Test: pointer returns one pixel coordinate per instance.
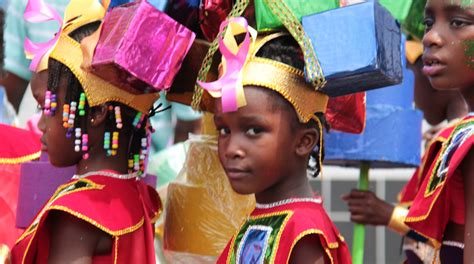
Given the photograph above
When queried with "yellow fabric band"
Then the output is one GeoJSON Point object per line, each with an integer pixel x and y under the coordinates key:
{"type": "Point", "coordinates": [397, 221]}
{"type": "Point", "coordinates": [287, 81]}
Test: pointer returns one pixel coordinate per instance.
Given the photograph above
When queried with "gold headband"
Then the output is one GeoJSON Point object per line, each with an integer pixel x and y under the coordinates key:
{"type": "Point", "coordinates": [284, 79]}
{"type": "Point", "coordinates": [97, 90]}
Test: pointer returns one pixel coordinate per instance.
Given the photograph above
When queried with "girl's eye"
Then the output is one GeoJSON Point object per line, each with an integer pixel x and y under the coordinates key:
{"type": "Point", "coordinates": [253, 131]}
{"type": "Point", "coordinates": [428, 22]}
{"type": "Point", "coordinates": [223, 131]}
{"type": "Point", "coordinates": [459, 23]}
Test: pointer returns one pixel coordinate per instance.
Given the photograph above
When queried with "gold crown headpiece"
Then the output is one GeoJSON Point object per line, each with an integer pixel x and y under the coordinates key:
{"type": "Point", "coordinates": [241, 67]}
{"type": "Point", "coordinates": [70, 53]}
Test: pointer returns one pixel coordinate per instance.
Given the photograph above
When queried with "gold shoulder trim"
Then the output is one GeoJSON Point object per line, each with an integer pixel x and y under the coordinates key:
{"type": "Point", "coordinates": [22, 159]}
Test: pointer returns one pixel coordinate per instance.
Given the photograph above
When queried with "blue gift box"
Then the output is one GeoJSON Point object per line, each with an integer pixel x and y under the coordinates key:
{"type": "Point", "coordinates": [357, 47]}
{"type": "Point", "coordinates": [392, 136]}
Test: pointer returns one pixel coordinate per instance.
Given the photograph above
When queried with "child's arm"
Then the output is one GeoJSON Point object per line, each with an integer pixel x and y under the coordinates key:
{"type": "Point", "coordinates": [308, 251]}
{"type": "Point", "coordinates": [73, 240]}
{"type": "Point", "coordinates": [468, 174]}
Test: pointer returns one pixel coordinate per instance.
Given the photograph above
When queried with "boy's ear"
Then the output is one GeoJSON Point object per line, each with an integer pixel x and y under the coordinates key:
{"type": "Point", "coordinates": [98, 115]}
{"type": "Point", "coordinates": [307, 141]}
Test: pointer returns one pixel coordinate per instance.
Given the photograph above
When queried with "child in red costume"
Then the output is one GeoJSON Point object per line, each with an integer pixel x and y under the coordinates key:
{"type": "Point", "coordinates": [443, 209]}
{"type": "Point", "coordinates": [104, 214]}
{"type": "Point", "coordinates": [264, 148]}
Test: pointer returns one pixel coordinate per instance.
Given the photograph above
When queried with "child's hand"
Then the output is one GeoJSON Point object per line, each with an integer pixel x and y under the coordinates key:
{"type": "Point", "coordinates": [368, 209]}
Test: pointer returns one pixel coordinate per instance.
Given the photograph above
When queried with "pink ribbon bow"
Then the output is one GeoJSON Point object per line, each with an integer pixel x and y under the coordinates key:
{"type": "Point", "coordinates": [229, 86]}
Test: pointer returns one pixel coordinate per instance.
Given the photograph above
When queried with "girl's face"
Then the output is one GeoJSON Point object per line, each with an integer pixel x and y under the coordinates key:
{"type": "Point", "coordinates": [448, 42]}
{"type": "Point", "coordinates": [256, 144]}
{"type": "Point", "coordinates": [59, 148]}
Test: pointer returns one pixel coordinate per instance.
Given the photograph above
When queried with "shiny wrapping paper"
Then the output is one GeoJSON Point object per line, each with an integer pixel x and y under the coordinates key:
{"type": "Point", "coordinates": [347, 113]}
{"type": "Point", "coordinates": [266, 20]}
{"type": "Point", "coordinates": [211, 15]}
{"type": "Point", "coordinates": [202, 210]}
{"type": "Point", "coordinates": [392, 136]}
{"type": "Point", "coordinates": [357, 47]}
{"type": "Point", "coordinates": [140, 47]}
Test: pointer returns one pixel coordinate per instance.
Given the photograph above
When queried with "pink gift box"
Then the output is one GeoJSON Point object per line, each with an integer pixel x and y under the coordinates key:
{"type": "Point", "coordinates": [139, 47]}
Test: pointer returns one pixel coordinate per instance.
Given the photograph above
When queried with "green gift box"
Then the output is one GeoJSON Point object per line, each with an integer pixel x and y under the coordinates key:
{"type": "Point", "coordinates": [413, 24]}
{"type": "Point", "coordinates": [266, 20]}
{"type": "Point", "coordinates": [398, 8]}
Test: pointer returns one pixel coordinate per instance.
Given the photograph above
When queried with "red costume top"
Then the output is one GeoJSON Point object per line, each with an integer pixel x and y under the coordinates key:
{"type": "Point", "coordinates": [441, 196]}
{"type": "Point", "coordinates": [16, 147]}
{"type": "Point", "coordinates": [123, 208]}
{"type": "Point", "coordinates": [271, 232]}
{"type": "Point", "coordinates": [409, 191]}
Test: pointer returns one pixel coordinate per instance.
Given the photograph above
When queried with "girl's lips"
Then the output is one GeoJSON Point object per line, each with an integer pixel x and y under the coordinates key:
{"type": "Point", "coordinates": [236, 174]}
{"type": "Point", "coordinates": [432, 70]}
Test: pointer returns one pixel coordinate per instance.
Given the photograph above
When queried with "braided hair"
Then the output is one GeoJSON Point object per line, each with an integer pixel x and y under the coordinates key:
{"type": "Point", "coordinates": [76, 112]}
{"type": "Point", "coordinates": [286, 50]}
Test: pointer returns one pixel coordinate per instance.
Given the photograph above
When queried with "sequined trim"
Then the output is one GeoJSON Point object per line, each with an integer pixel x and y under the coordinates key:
{"type": "Point", "coordinates": [119, 232]}
{"type": "Point", "coordinates": [314, 232]}
{"type": "Point", "coordinates": [451, 243]}
{"type": "Point", "coordinates": [21, 159]}
{"type": "Point", "coordinates": [288, 201]}
{"type": "Point", "coordinates": [107, 174]}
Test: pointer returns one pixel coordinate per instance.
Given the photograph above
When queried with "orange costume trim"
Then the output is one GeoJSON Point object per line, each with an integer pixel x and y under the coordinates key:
{"type": "Point", "coordinates": [122, 208]}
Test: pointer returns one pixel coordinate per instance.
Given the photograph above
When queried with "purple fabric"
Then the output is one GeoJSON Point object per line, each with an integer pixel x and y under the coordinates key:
{"type": "Point", "coordinates": [38, 181]}
{"type": "Point", "coordinates": [412, 258]}
{"type": "Point", "coordinates": [451, 255]}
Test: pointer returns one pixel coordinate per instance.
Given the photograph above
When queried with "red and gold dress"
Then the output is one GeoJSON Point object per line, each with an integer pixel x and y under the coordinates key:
{"type": "Point", "coordinates": [441, 196]}
{"type": "Point", "coordinates": [119, 205]}
{"type": "Point", "coordinates": [272, 230]}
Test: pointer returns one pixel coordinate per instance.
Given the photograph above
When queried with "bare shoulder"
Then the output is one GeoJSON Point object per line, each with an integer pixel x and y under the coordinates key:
{"type": "Point", "coordinates": [74, 240]}
{"type": "Point", "coordinates": [308, 250]}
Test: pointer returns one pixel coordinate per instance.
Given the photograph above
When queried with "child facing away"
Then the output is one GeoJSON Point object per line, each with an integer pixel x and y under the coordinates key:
{"type": "Point", "coordinates": [104, 214]}
{"type": "Point", "coordinates": [265, 147]}
{"type": "Point", "coordinates": [443, 209]}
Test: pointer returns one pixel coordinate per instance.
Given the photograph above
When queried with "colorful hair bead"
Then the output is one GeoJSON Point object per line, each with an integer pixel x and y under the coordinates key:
{"type": "Point", "coordinates": [47, 103]}
{"type": "Point", "coordinates": [115, 142]}
{"type": "Point", "coordinates": [136, 162]}
{"type": "Point", "coordinates": [77, 141]}
{"type": "Point", "coordinates": [130, 165]}
{"type": "Point", "coordinates": [85, 148]}
{"type": "Point", "coordinates": [72, 114]}
{"type": "Point", "coordinates": [54, 104]}
{"type": "Point", "coordinates": [65, 115]}
{"type": "Point", "coordinates": [82, 104]}
{"type": "Point", "coordinates": [118, 117]}
{"type": "Point", "coordinates": [136, 120]}
{"type": "Point", "coordinates": [107, 143]}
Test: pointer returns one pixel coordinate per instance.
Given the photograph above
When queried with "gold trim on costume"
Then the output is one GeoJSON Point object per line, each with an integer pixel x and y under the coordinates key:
{"type": "Point", "coordinates": [314, 232]}
{"type": "Point", "coordinates": [4, 254]}
{"type": "Point", "coordinates": [97, 90]}
{"type": "Point", "coordinates": [22, 159]}
{"type": "Point", "coordinates": [397, 220]}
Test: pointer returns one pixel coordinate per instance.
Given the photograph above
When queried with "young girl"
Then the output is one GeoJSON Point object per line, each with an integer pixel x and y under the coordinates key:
{"type": "Point", "coordinates": [265, 147]}
{"type": "Point", "coordinates": [444, 207]}
{"type": "Point", "coordinates": [103, 215]}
